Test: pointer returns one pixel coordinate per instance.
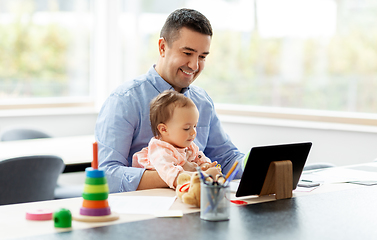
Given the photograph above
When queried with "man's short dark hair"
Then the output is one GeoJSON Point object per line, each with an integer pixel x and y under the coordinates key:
{"type": "Point", "coordinates": [184, 17]}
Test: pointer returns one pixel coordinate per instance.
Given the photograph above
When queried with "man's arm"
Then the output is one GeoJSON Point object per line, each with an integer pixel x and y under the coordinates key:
{"type": "Point", "coordinates": [151, 179]}
{"type": "Point", "coordinates": [114, 135]}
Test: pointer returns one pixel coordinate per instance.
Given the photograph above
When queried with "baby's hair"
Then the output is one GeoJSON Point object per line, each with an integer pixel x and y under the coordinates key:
{"type": "Point", "coordinates": [162, 107]}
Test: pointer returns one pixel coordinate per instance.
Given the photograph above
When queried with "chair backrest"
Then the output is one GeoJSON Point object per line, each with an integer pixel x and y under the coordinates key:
{"type": "Point", "coordinates": [21, 134]}
{"type": "Point", "coordinates": [29, 178]}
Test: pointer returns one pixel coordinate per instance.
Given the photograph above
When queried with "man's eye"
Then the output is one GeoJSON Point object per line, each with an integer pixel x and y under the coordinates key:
{"type": "Point", "coordinates": [187, 53]}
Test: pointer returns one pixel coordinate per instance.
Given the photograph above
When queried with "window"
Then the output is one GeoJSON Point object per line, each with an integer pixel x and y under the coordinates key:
{"type": "Point", "coordinates": [303, 55]}
{"type": "Point", "coordinates": [45, 48]}
{"type": "Point", "coordinates": [311, 54]}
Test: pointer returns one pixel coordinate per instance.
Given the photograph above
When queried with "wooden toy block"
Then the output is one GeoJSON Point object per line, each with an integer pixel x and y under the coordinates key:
{"type": "Point", "coordinates": [96, 188]}
{"type": "Point", "coordinates": [95, 181]}
{"type": "Point", "coordinates": [95, 207]}
{"type": "Point", "coordinates": [95, 204]}
{"type": "Point", "coordinates": [95, 211]}
{"type": "Point", "coordinates": [95, 196]}
{"type": "Point", "coordinates": [94, 173]}
{"type": "Point", "coordinates": [95, 156]}
{"type": "Point", "coordinates": [39, 215]}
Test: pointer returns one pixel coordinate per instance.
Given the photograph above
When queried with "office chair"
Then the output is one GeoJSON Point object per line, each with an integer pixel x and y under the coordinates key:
{"type": "Point", "coordinates": [21, 134]}
{"type": "Point", "coordinates": [62, 192]}
{"type": "Point", "coordinates": [29, 178]}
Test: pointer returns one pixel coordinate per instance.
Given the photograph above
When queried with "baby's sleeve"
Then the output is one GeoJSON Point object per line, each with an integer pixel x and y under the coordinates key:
{"type": "Point", "coordinates": [201, 158]}
{"type": "Point", "coordinates": [167, 163]}
{"type": "Point", "coordinates": [140, 159]}
{"type": "Point", "coordinates": [197, 156]}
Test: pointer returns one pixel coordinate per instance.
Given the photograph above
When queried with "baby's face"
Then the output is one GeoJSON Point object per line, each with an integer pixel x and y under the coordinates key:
{"type": "Point", "coordinates": [181, 128]}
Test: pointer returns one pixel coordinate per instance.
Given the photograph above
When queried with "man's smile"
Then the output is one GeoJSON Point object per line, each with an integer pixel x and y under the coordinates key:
{"type": "Point", "coordinates": [188, 73]}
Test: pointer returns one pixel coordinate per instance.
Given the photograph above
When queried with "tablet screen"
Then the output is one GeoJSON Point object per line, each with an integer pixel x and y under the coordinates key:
{"type": "Point", "coordinates": [259, 160]}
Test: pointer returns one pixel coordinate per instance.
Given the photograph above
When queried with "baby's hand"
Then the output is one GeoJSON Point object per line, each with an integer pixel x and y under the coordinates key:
{"type": "Point", "coordinates": [190, 166]}
{"type": "Point", "coordinates": [206, 166]}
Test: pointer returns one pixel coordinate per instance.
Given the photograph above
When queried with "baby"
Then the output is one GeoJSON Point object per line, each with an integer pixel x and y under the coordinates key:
{"type": "Point", "coordinates": [172, 150]}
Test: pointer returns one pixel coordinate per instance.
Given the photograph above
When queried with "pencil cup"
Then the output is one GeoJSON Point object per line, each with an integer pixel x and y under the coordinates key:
{"type": "Point", "coordinates": [214, 202]}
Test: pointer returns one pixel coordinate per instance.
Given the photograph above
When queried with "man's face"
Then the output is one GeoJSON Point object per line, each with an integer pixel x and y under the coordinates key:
{"type": "Point", "coordinates": [182, 62]}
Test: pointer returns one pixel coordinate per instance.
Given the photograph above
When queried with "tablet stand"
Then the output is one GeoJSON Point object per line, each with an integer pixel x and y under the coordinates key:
{"type": "Point", "coordinates": [279, 180]}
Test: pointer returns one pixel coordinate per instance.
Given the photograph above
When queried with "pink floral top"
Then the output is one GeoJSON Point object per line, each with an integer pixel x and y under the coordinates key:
{"type": "Point", "coordinates": [166, 159]}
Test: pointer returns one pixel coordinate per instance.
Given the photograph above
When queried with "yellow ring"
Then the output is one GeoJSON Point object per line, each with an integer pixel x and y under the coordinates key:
{"type": "Point", "coordinates": [96, 188]}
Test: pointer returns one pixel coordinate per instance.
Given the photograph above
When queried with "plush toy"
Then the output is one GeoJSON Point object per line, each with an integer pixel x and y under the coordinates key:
{"type": "Point", "coordinates": [188, 188]}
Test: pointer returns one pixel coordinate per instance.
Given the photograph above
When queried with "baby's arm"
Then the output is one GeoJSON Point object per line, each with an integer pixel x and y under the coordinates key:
{"type": "Point", "coordinates": [190, 166]}
{"type": "Point", "coordinates": [166, 164]}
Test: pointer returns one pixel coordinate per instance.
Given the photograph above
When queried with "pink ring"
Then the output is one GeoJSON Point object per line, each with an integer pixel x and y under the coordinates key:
{"type": "Point", "coordinates": [39, 215]}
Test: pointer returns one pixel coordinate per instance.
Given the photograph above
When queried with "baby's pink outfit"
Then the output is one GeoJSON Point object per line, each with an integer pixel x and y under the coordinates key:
{"type": "Point", "coordinates": [167, 159]}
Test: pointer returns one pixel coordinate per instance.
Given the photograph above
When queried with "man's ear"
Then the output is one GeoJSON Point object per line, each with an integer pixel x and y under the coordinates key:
{"type": "Point", "coordinates": [163, 129]}
{"type": "Point", "coordinates": [162, 46]}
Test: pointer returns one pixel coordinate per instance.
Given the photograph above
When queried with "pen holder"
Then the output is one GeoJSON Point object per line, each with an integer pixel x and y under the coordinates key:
{"type": "Point", "coordinates": [214, 202]}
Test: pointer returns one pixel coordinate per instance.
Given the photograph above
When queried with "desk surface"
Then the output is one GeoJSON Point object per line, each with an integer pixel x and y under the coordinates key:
{"type": "Point", "coordinates": [349, 214]}
{"type": "Point", "coordinates": [73, 150]}
{"type": "Point", "coordinates": [332, 211]}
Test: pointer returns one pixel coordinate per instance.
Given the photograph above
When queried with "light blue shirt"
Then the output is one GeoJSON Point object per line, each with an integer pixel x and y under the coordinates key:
{"type": "Point", "coordinates": [123, 128]}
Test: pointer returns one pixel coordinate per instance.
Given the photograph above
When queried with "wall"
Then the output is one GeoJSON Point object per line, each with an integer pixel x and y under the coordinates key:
{"type": "Point", "coordinates": [56, 122]}
{"type": "Point", "coordinates": [341, 145]}
{"type": "Point", "coordinates": [334, 143]}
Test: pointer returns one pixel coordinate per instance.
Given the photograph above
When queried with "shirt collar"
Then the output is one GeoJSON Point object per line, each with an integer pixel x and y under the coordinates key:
{"type": "Point", "coordinates": [160, 84]}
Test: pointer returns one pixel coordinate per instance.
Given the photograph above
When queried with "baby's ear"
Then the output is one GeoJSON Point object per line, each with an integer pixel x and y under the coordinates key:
{"type": "Point", "coordinates": [163, 129]}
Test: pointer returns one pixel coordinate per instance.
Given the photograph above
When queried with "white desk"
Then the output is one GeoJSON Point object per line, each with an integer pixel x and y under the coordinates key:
{"type": "Point", "coordinates": [12, 217]}
{"type": "Point", "coordinates": [73, 150]}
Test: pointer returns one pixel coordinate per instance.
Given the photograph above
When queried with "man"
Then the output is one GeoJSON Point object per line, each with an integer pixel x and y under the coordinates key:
{"type": "Point", "coordinates": [123, 125]}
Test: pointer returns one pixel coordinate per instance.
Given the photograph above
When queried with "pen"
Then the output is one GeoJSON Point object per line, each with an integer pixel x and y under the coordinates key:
{"type": "Point", "coordinates": [201, 175]}
{"type": "Point", "coordinates": [231, 177]}
{"type": "Point", "coordinates": [231, 169]}
{"type": "Point", "coordinates": [203, 180]}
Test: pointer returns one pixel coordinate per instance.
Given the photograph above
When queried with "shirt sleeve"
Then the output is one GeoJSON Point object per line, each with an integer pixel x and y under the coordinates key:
{"type": "Point", "coordinates": [114, 135]}
{"type": "Point", "coordinates": [140, 159]}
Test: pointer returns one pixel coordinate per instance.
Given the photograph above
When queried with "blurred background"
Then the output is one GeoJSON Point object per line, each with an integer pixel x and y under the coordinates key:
{"type": "Point", "coordinates": [292, 69]}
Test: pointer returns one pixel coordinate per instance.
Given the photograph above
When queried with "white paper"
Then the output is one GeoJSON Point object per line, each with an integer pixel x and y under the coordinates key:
{"type": "Point", "coordinates": [338, 175]}
{"type": "Point", "coordinates": [140, 204]}
{"type": "Point", "coordinates": [233, 185]}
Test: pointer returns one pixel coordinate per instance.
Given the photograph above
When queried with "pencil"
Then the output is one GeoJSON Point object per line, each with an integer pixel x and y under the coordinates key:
{"type": "Point", "coordinates": [231, 169]}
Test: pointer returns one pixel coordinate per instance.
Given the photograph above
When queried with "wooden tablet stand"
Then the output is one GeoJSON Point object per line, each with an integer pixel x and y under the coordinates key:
{"type": "Point", "coordinates": [279, 180]}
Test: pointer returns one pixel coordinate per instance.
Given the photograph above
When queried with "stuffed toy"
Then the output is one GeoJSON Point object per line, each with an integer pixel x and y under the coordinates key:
{"type": "Point", "coordinates": [188, 188]}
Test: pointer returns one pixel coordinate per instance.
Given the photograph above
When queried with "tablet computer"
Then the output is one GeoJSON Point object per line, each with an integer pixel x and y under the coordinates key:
{"type": "Point", "coordinates": [259, 160]}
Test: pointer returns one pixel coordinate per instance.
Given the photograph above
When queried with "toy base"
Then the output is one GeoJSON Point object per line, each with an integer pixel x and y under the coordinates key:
{"type": "Point", "coordinates": [82, 218]}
